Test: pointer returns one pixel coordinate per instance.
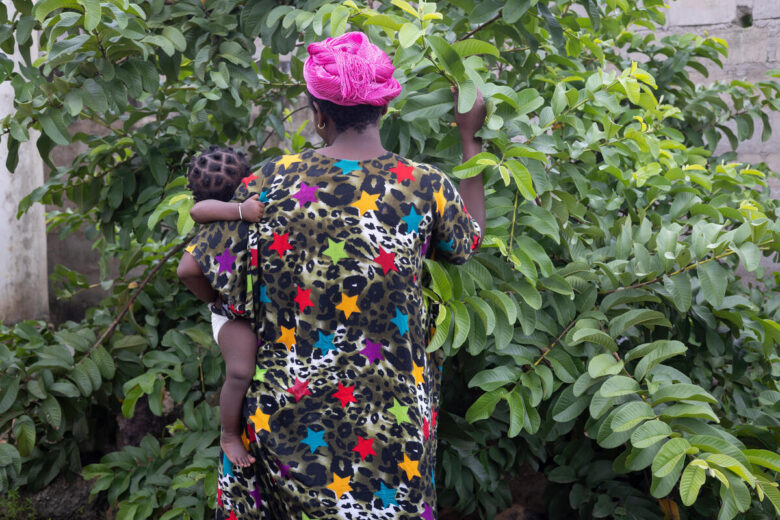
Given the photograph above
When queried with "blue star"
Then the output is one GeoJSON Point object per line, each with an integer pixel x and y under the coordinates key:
{"type": "Point", "coordinates": [433, 477]}
{"type": "Point", "coordinates": [325, 343]}
{"type": "Point", "coordinates": [314, 439]}
{"type": "Point", "coordinates": [401, 321]}
{"type": "Point", "coordinates": [227, 466]}
{"type": "Point", "coordinates": [386, 495]}
{"type": "Point", "coordinates": [263, 197]}
{"type": "Point", "coordinates": [446, 246]}
{"type": "Point", "coordinates": [348, 166]}
{"type": "Point", "coordinates": [264, 295]}
{"type": "Point", "coordinates": [412, 221]}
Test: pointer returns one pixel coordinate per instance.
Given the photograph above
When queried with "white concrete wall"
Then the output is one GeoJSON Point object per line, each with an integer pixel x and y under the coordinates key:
{"type": "Point", "coordinates": [23, 251]}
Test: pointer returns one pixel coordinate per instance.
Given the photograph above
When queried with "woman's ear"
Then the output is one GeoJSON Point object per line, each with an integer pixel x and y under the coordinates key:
{"type": "Point", "coordinates": [384, 110]}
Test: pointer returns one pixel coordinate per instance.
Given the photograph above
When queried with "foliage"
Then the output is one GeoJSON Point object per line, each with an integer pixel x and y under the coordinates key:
{"type": "Point", "coordinates": [602, 334]}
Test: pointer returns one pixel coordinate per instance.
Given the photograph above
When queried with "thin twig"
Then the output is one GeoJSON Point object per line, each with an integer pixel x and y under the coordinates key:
{"type": "Point", "coordinates": [269, 134]}
{"type": "Point", "coordinates": [544, 354]}
{"type": "Point", "coordinates": [470, 34]}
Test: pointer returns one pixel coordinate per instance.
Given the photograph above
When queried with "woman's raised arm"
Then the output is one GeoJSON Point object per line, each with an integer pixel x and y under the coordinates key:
{"type": "Point", "coordinates": [472, 190]}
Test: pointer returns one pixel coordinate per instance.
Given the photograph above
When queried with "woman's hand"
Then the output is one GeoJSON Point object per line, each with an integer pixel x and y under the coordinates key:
{"type": "Point", "coordinates": [470, 122]}
{"type": "Point", "coordinates": [252, 210]}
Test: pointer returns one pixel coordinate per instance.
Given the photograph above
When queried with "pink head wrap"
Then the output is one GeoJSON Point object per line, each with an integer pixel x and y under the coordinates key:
{"type": "Point", "coordinates": [350, 70]}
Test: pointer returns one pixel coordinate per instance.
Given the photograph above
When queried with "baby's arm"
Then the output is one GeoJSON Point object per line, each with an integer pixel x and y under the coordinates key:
{"type": "Point", "coordinates": [205, 211]}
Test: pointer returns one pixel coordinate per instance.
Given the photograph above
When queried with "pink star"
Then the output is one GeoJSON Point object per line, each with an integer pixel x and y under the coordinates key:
{"type": "Point", "coordinates": [225, 261]}
{"type": "Point", "coordinates": [299, 389]}
{"type": "Point", "coordinates": [428, 513]}
{"type": "Point", "coordinates": [306, 194]}
{"type": "Point", "coordinates": [373, 351]}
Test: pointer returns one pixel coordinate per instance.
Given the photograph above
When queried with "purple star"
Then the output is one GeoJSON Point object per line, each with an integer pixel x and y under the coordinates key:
{"type": "Point", "coordinates": [306, 194]}
{"type": "Point", "coordinates": [256, 495]}
{"type": "Point", "coordinates": [373, 351]}
{"type": "Point", "coordinates": [428, 513]}
{"type": "Point", "coordinates": [283, 469]}
{"type": "Point", "coordinates": [425, 246]}
{"type": "Point", "coordinates": [225, 262]}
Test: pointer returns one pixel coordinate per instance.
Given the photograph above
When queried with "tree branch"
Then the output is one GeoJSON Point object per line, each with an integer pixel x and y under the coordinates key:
{"type": "Point", "coordinates": [472, 33]}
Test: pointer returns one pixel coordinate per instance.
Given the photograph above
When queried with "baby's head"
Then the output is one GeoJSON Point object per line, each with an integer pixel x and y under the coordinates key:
{"type": "Point", "coordinates": [216, 173]}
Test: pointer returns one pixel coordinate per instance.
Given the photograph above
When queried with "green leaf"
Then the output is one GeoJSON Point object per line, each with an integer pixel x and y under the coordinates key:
{"type": "Point", "coordinates": [448, 59]}
{"type": "Point", "coordinates": [467, 95]}
{"type": "Point", "coordinates": [630, 414]}
{"type": "Point", "coordinates": [528, 100]}
{"type": "Point", "coordinates": [616, 386]}
{"type": "Point", "coordinates": [503, 302]}
{"type": "Point", "coordinates": [9, 388]}
{"type": "Point", "coordinates": [650, 433]}
{"type": "Point", "coordinates": [568, 407]}
{"type": "Point", "coordinates": [730, 463]}
{"type": "Point", "coordinates": [472, 46]}
{"type": "Point", "coordinates": [691, 481]}
{"type": "Point", "coordinates": [462, 323]}
{"type": "Point", "coordinates": [634, 317]}
{"type": "Point", "coordinates": [604, 365]}
{"type": "Point", "coordinates": [178, 40]}
{"type": "Point", "coordinates": [713, 279]}
{"type": "Point", "coordinates": [484, 311]}
{"type": "Point", "coordinates": [442, 285]}
{"type": "Point", "coordinates": [45, 7]}
{"type": "Point", "coordinates": [51, 411]}
{"type": "Point", "coordinates": [516, 412]}
{"type": "Point", "coordinates": [514, 9]}
{"type": "Point", "coordinates": [681, 392]}
{"type": "Point", "coordinates": [483, 407]}
{"type": "Point", "coordinates": [53, 125]}
{"type": "Point", "coordinates": [699, 411]}
{"type": "Point", "coordinates": [92, 13]}
{"type": "Point", "coordinates": [594, 336]}
{"type": "Point", "coordinates": [669, 456]}
{"type": "Point", "coordinates": [765, 458]}
{"type": "Point", "coordinates": [442, 329]}
{"type": "Point", "coordinates": [408, 35]}
{"type": "Point", "coordinates": [24, 431]}
{"type": "Point", "coordinates": [679, 288]}
{"type": "Point", "coordinates": [653, 354]}
{"type": "Point", "coordinates": [494, 378]}
{"type": "Point", "coordinates": [522, 178]}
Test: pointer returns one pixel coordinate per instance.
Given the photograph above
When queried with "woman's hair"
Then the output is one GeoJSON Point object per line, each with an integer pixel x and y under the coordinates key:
{"type": "Point", "coordinates": [216, 173]}
{"type": "Point", "coordinates": [355, 117]}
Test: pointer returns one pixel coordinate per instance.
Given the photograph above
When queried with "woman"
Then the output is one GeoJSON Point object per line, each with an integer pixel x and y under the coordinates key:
{"type": "Point", "coordinates": [341, 415]}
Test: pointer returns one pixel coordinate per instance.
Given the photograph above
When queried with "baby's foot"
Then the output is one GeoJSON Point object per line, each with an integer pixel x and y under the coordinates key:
{"type": "Point", "coordinates": [234, 449]}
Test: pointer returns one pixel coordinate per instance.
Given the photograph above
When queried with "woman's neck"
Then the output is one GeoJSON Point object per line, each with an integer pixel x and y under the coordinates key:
{"type": "Point", "coordinates": [356, 146]}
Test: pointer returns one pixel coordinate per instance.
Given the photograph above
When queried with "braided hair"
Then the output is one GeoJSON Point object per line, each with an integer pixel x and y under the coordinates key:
{"type": "Point", "coordinates": [216, 173]}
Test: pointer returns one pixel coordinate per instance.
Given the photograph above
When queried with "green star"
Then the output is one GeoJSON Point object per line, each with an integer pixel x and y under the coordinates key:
{"type": "Point", "coordinates": [260, 374]}
{"type": "Point", "coordinates": [335, 251]}
{"type": "Point", "coordinates": [401, 412]}
{"type": "Point", "coordinates": [305, 516]}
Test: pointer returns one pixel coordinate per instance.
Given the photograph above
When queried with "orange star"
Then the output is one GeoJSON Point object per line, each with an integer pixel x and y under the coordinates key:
{"type": "Point", "coordinates": [287, 160]}
{"type": "Point", "coordinates": [410, 467]}
{"type": "Point", "coordinates": [260, 420]}
{"type": "Point", "coordinates": [287, 337]}
{"type": "Point", "coordinates": [366, 202]}
{"type": "Point", "coordinates": [348, 305]}
{"type": "Point", "coordinates": [339, 485]}
{"type": "Point", "coordinates": [417, 372]}
{"type": "Point", "coordinates": [245, 440]}
{"type": "Point", "coordinates": [440, 200]}
{"type": "Point", "coordinates": [190, 248]}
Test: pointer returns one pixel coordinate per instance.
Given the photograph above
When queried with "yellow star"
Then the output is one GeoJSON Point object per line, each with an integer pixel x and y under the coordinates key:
{"type": "Point", "coordinates": [339, 485]}
{"type": "Point", "coordinates": [190, 248]}
{"type": "Point", "coordinates": [287, 160]}
{"type": "Point", "coordinates": [245, 440]}
{"type": "Point", "coordinates": [260, 420]}
{"type": "Point", "coordinates": [366, 202]}
{"type": "Point", "coordinates": [440, 200]}
{"type": "Point", "coordinates": [417, 372]}
{"type": "Point", "coordinates": [410, 467]}
{"type": "Point", "coordinates": [287, 337]}
{"type": "Point", "coordinates": [348, 305]}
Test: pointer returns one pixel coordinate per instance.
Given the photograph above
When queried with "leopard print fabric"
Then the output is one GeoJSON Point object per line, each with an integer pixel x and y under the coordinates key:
{"type": "Point", "coordinates": [341, 414]}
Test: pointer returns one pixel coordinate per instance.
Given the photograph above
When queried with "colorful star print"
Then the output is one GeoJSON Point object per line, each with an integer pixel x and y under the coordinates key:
{"type": "Point", "coordinates": [475, 243]}
{"type": "Point", "coordinates": [386, 260]}
{"type": "Point", "coordinates": [401, 321]}
{"type": "Point", "coordinates": [365, 203]}
{"type": "Point", "coordinates": [386, 495]}
{"type": "Point", "coordinates": [348, 305]}
{"type": "Point", "coordinates": [347, 166]}
{"type": "Point", "coordinates": [263, 196]}
{"type": "Point", "coordinates": [440, 200]}
{"type": "Point", "coordinates": [306, 194]}
{"type": "Point", "coordinates": [259, 374]}
{"type": "Point", "coordinates": [403, 172]}
{"type": "Point", "coordinates": [232, 515]}
{"type": "Point", "coordinates": [284, 469]}
{"type": "Point", "coordinates": [345, 395]}
{"type": "Point", "coordinates": [426, 428]}
{"type": "Point", "coordinates": [325, 343]}
{"type": "Point", "coordinates": [249, 178]}
{"type": "Point", "coordinates": [410, 467]}
{"type": "Point", "coordinates": [412, 220]}
{"type": "Point", "coordinates": [335, 251]}
{"type": "Point", "coordinates": [281, 244]}
{"type": "Point", "coordinates": [427, 513]}
{"type": "Point", "coordinates": [219, 496]}
{"type": "Point", "coordinates": [425, 246]}
{"type": "Point", "coordinates": [340, 485]}
{"type": "Point", "coordinates": [287, 160]}
{"type": "Point", "coordinates": [225, 261]}
{"type": "Point", "coordinates": [303, 298]}
{"type": "Point", "coordinates": [190, 248]}
{"type": "Point", "coordinates": [256, 495]}
{"type": "Point", "coordinates": [448, 245]}
{"type": "Point", "coordinates": [227, 466]}
{"type": "Point", "coordinates": [287, 337]}
{"type": "Point", "coordinates": [365, 447]}
{"type": "Point", "coordinates": [401, 413]}
{"type": "Point", "coordinates": [299, 389]}
{"type": "Point", "coordinates": [315, 440]}
{"type": "Point", "coordinates": [417, 373]}
{"type": "Point", "coordinates": [433, 417]}
{"type": "Point", "coordinates": [253, 252]}
{"type": "Point", "coordinates": [260, 420]}
{"type": "Point", "coordinates": [264, 294]}
{"type": "Point", "coordinates": [373, 351]}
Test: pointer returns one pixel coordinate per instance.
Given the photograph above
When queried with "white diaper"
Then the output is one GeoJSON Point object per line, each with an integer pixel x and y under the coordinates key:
{"type": "Point", "coordinates": [217, 321]}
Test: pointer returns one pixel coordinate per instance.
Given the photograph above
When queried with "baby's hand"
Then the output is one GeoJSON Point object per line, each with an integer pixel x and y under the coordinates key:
{"type": "Point", "coordinates": [252, 209]}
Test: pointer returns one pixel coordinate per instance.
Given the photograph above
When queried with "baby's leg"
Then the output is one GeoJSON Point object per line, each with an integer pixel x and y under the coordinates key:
{"type": "Point", "coordinates": [238, 344]}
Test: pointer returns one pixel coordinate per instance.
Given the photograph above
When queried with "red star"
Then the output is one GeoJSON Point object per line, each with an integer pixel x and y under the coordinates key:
{"type": "Point", "coordinates": [386, 260]}
{"type": "Point", "coordinates": [414, 278]}
{"type": "Point", "coordinates": [249, 178]}
{"type": "Point", "coordinates": [426, 428]}
{"type": "Point", "coordinates": [475, 244]}
{"type": "Point", "coordinates": [251, 433]}
{"type": "Point", "coordinates": [365, 447]}
{"type": "Point", "coordinates": [433, 417]}
{"type": "Point", "coordinates": [281, 244]}
{"type": "Point", "coordinates": [235, 311]}
{"type": "Point", "coordinates": [254, 256]}
{"type": "Point", "coordinates": [304, 298]}
{"type": "Point", "coordinates": [219, 496]}
{"type": "Point", "coordinates": [232, 515]}
{"type": "Point", "coordinates": [299, 389]}
{"type": "Point", "coordinates": [403, 172]}
{"type": "Point", "coordinates": [345, 395]}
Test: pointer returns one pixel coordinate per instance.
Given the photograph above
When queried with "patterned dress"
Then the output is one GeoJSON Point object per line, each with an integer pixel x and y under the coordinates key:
{"type": "Point", "coordinates": [341, 414]}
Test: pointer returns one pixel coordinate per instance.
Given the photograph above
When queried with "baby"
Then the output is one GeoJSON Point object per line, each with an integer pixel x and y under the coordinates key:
{"type": "Point", "coordinates": [213, 177]}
